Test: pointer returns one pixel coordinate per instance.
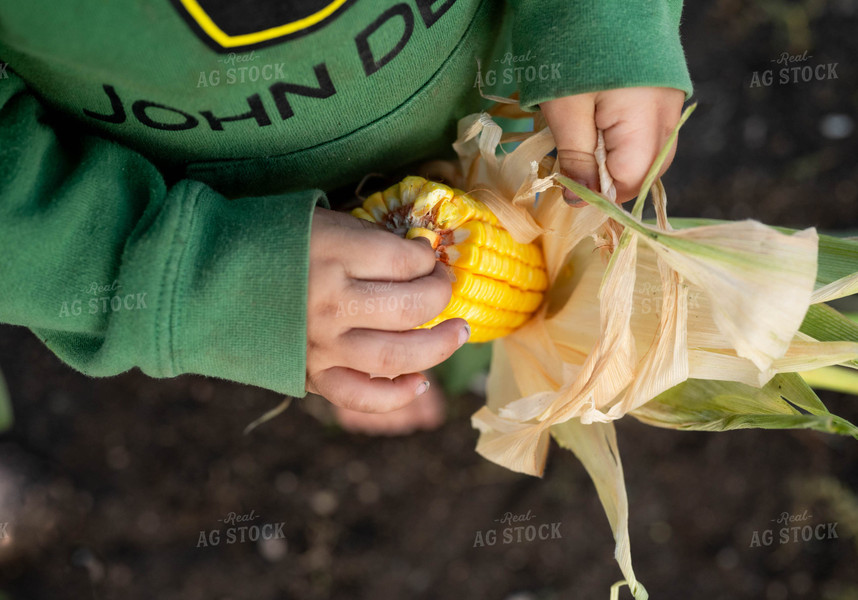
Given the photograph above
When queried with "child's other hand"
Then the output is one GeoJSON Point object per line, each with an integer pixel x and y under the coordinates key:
{"type": "Point", "coordinates": [636, 123]}
{"type": "Point", "coordinates": [367, 289]}
{"type": "Point", "coordinates": [425, 413]}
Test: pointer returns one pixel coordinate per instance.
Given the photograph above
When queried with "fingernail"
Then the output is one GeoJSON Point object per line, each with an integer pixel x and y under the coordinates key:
{"type": "Point", "coordinates": [573, 199]}
{"type": "Point", "coordinates": [464, 334]}
{"type": "Point", "coordinates": [421, 389]}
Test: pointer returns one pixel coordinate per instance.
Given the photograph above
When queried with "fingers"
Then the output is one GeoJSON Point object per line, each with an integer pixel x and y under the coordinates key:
{"type": "Point", "coordinates": [397, 306]}
{"type": "Point", "coordinates": [367, 290]}
{"type": "Point", "coordinates": [572, 122]}
{"type": "Point", "coordinates": [390, 353]}
{"type": "Point", "coordinates": [357, 391]}
{"type": "Point", "coordinates": [345, 380]}
{"type": "Point", "coordinates": [367, 251]}
{"type": "Point", "coordinates": [426, 412]}
{"type": "Point", "coordinates": [377, 254]}
{"type": "Point", "coordinates": [637, 123]}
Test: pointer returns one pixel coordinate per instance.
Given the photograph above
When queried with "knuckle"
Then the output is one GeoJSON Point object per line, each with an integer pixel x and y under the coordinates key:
{"type": "Point", "coordinates": [402, 265]}
{"type": "Point", "coordinates": [436, 298]}
{"type": "Point", "coordinates": [357, 402]}
{"type": "Point", "coordinates": [572, 156]}
{"type": "Point", "coordinates": [412, 309]}
{"type": "Point", "coordinates": [391, 356]}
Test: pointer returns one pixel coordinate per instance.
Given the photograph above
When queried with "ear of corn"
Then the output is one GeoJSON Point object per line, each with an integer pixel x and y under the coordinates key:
{"type": "Point", "coordinates": [499, 283]}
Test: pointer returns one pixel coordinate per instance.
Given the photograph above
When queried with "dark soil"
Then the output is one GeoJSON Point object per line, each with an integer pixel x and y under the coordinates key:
{"type": "Point", "coordinates": [106, 485]}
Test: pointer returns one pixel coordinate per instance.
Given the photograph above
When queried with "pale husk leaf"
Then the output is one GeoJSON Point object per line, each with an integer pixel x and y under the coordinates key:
{"type": "Point", "coordinates": [665, 363]}
{"type": "Point", "coordinates": [595, 445]}
{"type": "Point", "coordinates": [759, 281]}
{"type": "Point", "coordinates": [845, 286]}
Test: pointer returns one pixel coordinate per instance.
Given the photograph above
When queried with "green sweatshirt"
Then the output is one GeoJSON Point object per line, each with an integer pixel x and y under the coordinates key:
{"type": "Point", "coordinates": [161, 159]}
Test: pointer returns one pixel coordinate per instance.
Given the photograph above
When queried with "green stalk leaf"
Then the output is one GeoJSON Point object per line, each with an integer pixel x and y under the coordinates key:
{"type": "Point", "coordinates": [786, 402]}
{"type": "Point", "coordinates": [836, 379]}
{"type": "Point", "coordinates": [838, 258]}
{"type": "Point", "coordinates": [606, 206]}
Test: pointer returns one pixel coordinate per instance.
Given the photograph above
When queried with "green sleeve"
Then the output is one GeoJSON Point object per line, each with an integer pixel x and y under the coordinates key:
{"type": "Point", "coordinates": [113, 268]}
{"type": "Point", "coordinates": [596, 45]}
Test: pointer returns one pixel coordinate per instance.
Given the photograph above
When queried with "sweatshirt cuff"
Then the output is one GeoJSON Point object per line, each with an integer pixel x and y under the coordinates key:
{"type": "Point", "coordinates": [233, 303]}
{"type": "Point", "coordinates": [567, 48]}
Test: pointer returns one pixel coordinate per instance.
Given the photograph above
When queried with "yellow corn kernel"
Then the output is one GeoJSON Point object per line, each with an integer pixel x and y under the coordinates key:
{"type": "Point", "coordinates": [499, 283]}
{"type": "Point", "coordinates": [416, 232]}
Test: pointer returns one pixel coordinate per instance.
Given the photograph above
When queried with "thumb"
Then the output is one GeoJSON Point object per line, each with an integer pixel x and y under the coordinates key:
{"type": "Point", "coordinates": [572, 121]}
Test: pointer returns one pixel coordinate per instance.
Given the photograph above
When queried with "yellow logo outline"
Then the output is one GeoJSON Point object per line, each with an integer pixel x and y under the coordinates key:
{"type": "Point", "coordinates": [229, 41]}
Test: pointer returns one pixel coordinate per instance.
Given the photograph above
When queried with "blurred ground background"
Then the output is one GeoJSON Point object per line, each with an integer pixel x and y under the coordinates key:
{"type": "Point", "coordinates": [107, 484]}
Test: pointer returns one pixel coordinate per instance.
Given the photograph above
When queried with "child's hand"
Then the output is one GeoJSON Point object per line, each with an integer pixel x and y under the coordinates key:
{"type": "Point", "coordinates": [636, 123]}
{"type": "Point", "coordinates": [367, 289]}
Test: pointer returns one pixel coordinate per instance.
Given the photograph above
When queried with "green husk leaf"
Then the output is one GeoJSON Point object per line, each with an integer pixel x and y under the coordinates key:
{"type": "Point", "coordinates": [786, 402]}
{"type": "Point", "coordinates": [6, 415]}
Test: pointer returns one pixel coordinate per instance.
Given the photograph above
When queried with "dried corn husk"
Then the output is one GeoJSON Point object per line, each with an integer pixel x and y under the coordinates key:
{"type": "Point", "coordinates": [699, 327]}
